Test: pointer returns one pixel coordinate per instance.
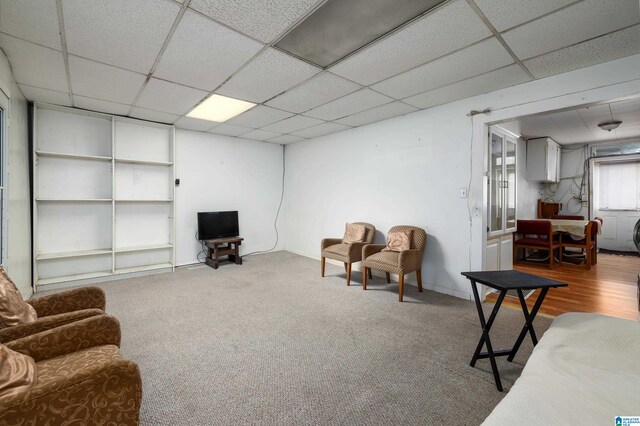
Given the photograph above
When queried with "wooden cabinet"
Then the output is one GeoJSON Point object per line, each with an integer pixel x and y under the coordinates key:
{"type": "Point", "coordinates": [543, 160]}
{"type": "Point", "coordinates": [499, 253]}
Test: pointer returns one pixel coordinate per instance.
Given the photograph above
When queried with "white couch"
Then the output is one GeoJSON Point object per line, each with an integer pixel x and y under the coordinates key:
{"type": "Point", "coordinates": [584, 371]}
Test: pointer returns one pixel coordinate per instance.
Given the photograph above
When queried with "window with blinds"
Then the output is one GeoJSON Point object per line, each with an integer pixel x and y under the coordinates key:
{"type": "Point", "coordinates": [619, 185]}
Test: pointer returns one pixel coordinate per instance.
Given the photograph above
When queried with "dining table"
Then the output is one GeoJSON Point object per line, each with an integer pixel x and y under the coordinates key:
{"type": "Point", "coordinates": [575, 228]}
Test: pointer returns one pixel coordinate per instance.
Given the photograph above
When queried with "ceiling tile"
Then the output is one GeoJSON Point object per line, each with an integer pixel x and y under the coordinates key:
{"type": "Point", "coordinates": [595, 114]}
{"type": "Point", "coordinates": [259, 116]}
{"type": "Point", "coordinates": [268, 75]}
{"type": "Point", "coordinates": [446, 29]}
{"type": "Point", "coordinates": [259, 135]}
{"type": "Point", "coordinates": [320, 89]}
{"type": "Point", "coordinates": [581, 21]}
{"type": "Point", "coordinates": [35, 65]}
{"type": "Point", "coordinates": [474, 60]}
{"type": "Point", "coordinates": [292, 124]}
{"type": "Point", "coordinates": [32, 20]}
{"type": "Point", "coordinates": [150, 115]}
{"type": "Point", "coordinates": [602, 49]}
{"type": "Point", "coordinates": [100, 105]}
{"type": "Point", "coordinates": [629, 106]}
{"type": "Point", "coordinates": [350, 104]}
{"type": "Point", "coordinates": [96, 80]}
{"type": "Point", "coordinates": [203, 54]}
{"type": "Point", "coordinates": [285, 139]}
{"type": "Point", "coordinates": [230, 130]}
{"type": "Point", "coordinates": [380, 113]}
{"type": "Point", "coordinates": [160, 95]}
{"type": "Point", "coordinates": [320, 130]}
{"type": "Point", "coordinates": [194, 124]}
{"type": "Point", "coordinates": [36, 94]}
{"type": "Point", "coordinates": [505, 14]}
{"type": "Point", "coordinates": [124, 33]}
{"type": "Point", "coordinates": [485, 83]}
{"type": "Point", "coordinates": [262, 19]}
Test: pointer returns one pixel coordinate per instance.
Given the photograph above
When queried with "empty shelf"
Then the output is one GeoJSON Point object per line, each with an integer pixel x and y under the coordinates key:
{"type": "Point", "coordinates": [144, 268]}
{"type": "Point", "coordinates": [45, 256]}
{"type": "Point", "coordinates": [89, 275]}
{"type": "Point", "coordinates": [143, 248]}
{"type": "Point", "coordinates": [159, 200]}
{"type": "Point", "coordinates": [76, 156]}
{"type": "Point", "coordinates": [76, 200]}
{"type": "Point", "coordinates": [153, 163]}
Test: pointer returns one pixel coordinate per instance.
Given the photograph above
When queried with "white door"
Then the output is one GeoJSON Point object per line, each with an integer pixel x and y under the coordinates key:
{"type": "Point", "coordinates": [617, 200]}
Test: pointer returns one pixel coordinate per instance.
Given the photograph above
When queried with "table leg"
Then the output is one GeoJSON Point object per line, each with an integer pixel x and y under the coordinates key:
{"type": "Point", "coordinates": [528, 317]}
{"type": "Point", "coordinates": [486, 327]}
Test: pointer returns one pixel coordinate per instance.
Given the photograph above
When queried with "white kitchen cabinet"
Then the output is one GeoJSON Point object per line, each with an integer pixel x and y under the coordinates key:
{"type": "Point", "coordinates": [543, 160]}
{"type": "Point", "coordinates": [501, 203]}
{"type": "Point", "coordinates": [499, 253]}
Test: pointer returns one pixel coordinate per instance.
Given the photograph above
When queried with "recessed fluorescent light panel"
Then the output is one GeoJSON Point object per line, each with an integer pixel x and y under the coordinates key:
{"type": "Point", "coordinates": [220, 108]}
{"type": "Point", "coordinates": [340, 27]}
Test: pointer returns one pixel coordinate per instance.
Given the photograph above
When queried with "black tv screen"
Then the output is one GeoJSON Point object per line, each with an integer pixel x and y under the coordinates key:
{"type": "Point", "coordinates": [212, 225]}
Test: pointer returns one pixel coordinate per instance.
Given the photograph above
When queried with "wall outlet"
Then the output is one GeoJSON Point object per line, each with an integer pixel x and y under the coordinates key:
{"type": "Point", "coordinates": [463, 193]}
{"type": "Point", "coordinates": [574, 190]}
{"type": "Point", "coordinates": [540, 193]}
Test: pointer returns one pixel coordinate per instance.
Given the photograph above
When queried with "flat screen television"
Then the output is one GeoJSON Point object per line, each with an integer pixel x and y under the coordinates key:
{"type": "Point", "coordinates": [212, 225]}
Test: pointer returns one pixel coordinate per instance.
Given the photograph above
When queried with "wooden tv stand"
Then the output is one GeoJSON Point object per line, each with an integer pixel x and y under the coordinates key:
{"type": "Point", "coordinates": [223, 247]}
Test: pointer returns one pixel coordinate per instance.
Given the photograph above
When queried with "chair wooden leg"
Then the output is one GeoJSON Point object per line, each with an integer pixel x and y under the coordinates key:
{"type": "Point", "coordinates": [552, 258]}
{"type": "Point", "coordinates": [348, 273]}
{"type": "Point", "coordinates": [365, 271]}
{"type": "Point", "coordinates": [588, 259]}
{"type": "Point", "coordinates": [322, 262]}
{"type": "Point", "coordinates": [369, 272]}
{"type": "Point", "coordinates": [388, 278]}
{"type": "Point", "coordinates": [419, 278]}
{"type": "Point", "coordinates": [400, 286]}
{"type": "Point", "coordinates": [345, 267]}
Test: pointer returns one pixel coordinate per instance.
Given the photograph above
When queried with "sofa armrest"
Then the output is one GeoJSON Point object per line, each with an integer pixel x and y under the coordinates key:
{"type": "Point", "coordinates": [95, 331]}
{"type": "Point", "coordinates": [370, 249]}
{"type": "Point", "coordinates": [410, 260]}
{"type": "Point", "coordinates": [326, 242]}
{"type": "Point", "coordinates": [67, 301]}
{"type": "Point", "coordinates": [96, 387]}
{"type": "Point", "coordinates": [45, 323]}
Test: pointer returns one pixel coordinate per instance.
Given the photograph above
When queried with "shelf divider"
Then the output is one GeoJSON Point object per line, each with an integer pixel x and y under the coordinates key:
{"type": "Point", "coordinates": [80, 253]}
{"type": "Point", "coordinates": [143, 248]}
{"type": "Point", "coordinates": [149, 162]}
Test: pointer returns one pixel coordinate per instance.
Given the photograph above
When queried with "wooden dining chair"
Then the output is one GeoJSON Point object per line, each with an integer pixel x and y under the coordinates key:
{"type": "Point", "coordinates": [587, 244]}
{"type": "Point", "coordinates": [536, 235]}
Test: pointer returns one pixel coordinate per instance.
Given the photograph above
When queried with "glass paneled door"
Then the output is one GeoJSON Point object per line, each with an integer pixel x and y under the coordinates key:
{"type": "Point", "coordinates": [501, 206]}
{"type": "Point", "coordinates": [496, 180]}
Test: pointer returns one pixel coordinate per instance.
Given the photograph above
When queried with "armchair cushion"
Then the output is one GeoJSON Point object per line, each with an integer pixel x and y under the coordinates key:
{"type": "Point", "coordinates": [399, 240]}
{"type": "Point", "coordinates": [17, 373]}
{"type": "Point", "coordinates": [354, 233]}
{"type": "Point", "coordinates": [13, 309]}
{"type": "Point", "coordinates": [341, 249]}
{"type": "Point", "coordinates": [388, 261]}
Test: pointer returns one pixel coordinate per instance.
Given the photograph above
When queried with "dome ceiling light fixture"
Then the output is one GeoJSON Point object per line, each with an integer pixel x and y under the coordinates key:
{"type": "Point", "coordinates": [610, 125]}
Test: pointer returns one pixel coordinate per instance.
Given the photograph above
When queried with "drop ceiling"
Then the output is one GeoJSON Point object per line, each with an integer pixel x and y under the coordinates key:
{"type": "Point", "coordinates": [157, 59]}
{"type": "Point", "coordinates": [581, 125]}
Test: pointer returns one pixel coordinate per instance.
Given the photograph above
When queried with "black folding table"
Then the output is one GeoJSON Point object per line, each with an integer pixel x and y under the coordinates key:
{"type": "Point", "coordinates": [503, 281]}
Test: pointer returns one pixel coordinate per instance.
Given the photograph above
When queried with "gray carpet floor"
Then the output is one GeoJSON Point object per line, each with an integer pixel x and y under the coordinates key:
{"type": "Point", "coordinates": [270, 342]}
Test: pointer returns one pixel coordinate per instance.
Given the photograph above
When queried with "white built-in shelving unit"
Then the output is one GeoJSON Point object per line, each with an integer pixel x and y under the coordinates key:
{"type": "Point", "coordinates": [103, 196]}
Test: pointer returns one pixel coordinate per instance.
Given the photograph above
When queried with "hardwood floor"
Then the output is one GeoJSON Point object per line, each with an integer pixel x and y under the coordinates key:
{"type": "Point", "coordinates": [609, 288]}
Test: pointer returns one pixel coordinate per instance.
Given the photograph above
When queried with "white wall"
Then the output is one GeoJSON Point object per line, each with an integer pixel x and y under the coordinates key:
{"type": "Point", "coordinates": [409, 170]}
{"type": "Point", "coordinates": [18, 207]}
{"type": "Point", "coordinates": [223, 173]}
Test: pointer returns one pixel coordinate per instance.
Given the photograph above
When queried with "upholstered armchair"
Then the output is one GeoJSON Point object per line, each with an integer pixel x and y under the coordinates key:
{"type": "Point", "coordinates": [80, 377]}
{"type": "Point", "coordinates": [400, 263]}
{"type": "Point", "coordinates": [57, 309]}
{"type": "Point", "coordinates": [334, 248]}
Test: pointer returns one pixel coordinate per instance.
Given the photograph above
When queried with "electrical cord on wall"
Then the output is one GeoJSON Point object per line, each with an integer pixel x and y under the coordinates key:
{"type": "Point", "coordinates": [275, 222]}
